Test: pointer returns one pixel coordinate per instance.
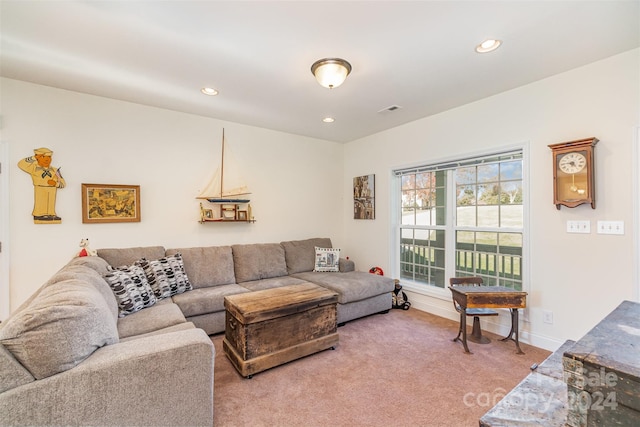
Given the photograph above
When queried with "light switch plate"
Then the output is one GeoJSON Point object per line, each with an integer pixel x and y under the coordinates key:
{"type": "Point", "coordinates": [610, 227]}
{"type": "Point", "coordinates": [579, 227]}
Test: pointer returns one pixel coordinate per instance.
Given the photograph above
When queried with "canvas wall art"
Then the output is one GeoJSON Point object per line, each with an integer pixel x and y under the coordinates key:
{"type": "Point", "coordinates": [364, 191]}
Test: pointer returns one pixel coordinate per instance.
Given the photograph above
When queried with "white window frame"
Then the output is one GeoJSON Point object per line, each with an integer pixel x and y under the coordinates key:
{"type": "Point", "coordinates": [396, 194]}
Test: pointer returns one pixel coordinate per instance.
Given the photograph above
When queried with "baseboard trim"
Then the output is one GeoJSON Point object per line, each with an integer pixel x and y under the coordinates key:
{"type": "Point", "coordinates": [500, 327]}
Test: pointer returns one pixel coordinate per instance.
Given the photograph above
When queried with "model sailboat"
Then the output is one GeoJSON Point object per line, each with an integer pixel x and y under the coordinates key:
{"type": "Point", "coordinates": [228, 199]}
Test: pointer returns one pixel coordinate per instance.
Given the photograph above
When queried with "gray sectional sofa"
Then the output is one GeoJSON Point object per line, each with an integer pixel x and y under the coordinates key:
{"type": "Point", "coordinates": [68, 356]}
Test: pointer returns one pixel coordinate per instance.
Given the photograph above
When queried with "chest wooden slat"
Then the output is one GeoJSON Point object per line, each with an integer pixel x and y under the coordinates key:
{"type": "Point", "coordinates": [267, 304]}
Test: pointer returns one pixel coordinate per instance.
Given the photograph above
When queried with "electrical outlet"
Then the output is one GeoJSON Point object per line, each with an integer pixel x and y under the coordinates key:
{"type": "Point", "coordinates": [547, 316]}
{"type": "Point", "coordinates": [579, 227]}
{"type": "Point", "coordinates": [610, 227]}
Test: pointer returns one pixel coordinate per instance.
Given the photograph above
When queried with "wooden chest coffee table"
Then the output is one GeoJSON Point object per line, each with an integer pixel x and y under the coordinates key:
{"type": "Point", "coordinates": [270, 327]}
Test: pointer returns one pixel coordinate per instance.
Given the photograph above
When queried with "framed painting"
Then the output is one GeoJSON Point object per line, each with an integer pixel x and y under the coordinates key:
{"type": "Point", "coordinates": [364, 197]}
{"type": "Point", "coordinates": [110, 203]}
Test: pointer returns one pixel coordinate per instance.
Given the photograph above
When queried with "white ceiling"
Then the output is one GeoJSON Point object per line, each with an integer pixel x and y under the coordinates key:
{"type": "Point", "coordinates": [415, 54]}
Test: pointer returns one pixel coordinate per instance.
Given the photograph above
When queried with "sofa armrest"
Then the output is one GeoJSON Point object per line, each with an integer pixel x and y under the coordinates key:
{"type": "Point", "coordinates": [163, 379]}
{"type": "Point", "coordinates": [347, 265]}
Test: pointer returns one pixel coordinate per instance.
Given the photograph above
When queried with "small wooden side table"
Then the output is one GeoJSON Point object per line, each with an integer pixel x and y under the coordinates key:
{"type": "Point", "coordinates": [489, 297]}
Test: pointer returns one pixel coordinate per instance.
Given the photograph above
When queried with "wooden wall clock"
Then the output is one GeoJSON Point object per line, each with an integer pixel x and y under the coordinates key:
{"type": "Point", "coordinates": [573, 173]}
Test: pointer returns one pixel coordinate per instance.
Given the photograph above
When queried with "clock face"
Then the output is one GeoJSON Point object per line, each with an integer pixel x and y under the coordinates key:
{"type": "Point", "coordinates": [572, 162]}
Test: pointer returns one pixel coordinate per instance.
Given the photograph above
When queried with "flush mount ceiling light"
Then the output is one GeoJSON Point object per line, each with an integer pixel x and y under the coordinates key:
{"type": "Point", "coordinates": [331, 72]}
{"type": "Point", "coordinates": [328, 120]}
{"type": "Point", "coordinates": [209, 91]}
{"type": "Point", "coordinates": [488, 46]}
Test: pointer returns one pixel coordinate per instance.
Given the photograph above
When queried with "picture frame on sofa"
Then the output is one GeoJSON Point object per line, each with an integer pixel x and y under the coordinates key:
{"type": "Point", "coordinates": [110, 203]}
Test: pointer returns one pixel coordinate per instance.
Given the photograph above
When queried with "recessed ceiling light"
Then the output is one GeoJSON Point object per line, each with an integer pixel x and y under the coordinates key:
{"type": "Point", "coordinates": [328, 120]}
{"type": "Point", "coordinates": [488, 46]}
{"type": "Point", "coordinates": [209, 91]}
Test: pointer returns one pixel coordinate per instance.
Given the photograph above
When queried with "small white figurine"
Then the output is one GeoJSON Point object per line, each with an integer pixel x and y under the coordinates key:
{"type": "Point", "coordinates": [85, 250]}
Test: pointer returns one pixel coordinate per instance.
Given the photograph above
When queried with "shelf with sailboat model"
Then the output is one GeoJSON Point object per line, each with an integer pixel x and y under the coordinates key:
{"type": "Point", "coordinates": [225, 205]}
{"type": "Point", "coordinates": [229, 211]}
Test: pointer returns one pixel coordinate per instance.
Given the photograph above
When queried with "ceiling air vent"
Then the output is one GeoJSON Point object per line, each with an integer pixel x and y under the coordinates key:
{"type": "Point", "coordinates": [390, 108]}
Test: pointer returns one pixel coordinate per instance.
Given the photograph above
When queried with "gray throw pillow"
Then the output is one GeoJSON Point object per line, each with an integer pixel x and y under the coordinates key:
{"type": "Point", "coordinates": [131, 288]}
{"type": "Point", "coordinates": [166, 275]}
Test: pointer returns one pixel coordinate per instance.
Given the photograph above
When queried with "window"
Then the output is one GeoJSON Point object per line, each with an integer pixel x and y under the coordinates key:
{"type": "Point", "coordinates": [460, 219]}
{"type": "Point", "coordinates": [422, 231]}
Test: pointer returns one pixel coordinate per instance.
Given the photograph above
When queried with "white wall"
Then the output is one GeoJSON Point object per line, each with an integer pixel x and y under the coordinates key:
{"type": "Point", "coordinates": [579, 277]}
{"type": "Point", "coordinates": [295, 180]}
{"type": "Point", "coordinates": [296, 183]}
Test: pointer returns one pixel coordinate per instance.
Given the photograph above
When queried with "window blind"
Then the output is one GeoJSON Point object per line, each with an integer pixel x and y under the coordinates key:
{"type": "Point", "coordinates": [466, 162]}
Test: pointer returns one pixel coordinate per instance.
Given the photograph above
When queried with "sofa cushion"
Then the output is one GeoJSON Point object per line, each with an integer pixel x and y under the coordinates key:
{"type": "Point", "coordinates": [175, 328]}
{"type": "Point", "coordinates": [162, 315]}
{"type": "Point", "coordinates": [12, 373]}
{"type": "Point", "coordinates": [61, 327]}
{"type": "Point", "coordinates": [207, 266]}
{"type": "Point", "coordinates": [205, 300]}
{"type": "Point", "coordinates": [327, 260]}
{"type": "Point", "coordinates": [258, 261]}
{"type": "Point", "coordinates": [127, 256]}
{"type": "Point", "coordinates": [347, 265]}
{"type": "Point", "coordinates": [273, 282]}
{"type": "Point", "coordinates": [301, 254]}
{"type": "Point", "coordinates": [131, 288]}
{"type": "Point", "coordinates": [166, 275]}
{"type": "Point", "coordinates": [352, 286]}
{"type": "Point", "coordinates": [87, 274]}
{"type": "Point", "coordinates": [94, 262]}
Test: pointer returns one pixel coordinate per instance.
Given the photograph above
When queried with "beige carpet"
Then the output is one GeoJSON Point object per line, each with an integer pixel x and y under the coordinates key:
{"type": "Point", "coordinates": [396, 369]}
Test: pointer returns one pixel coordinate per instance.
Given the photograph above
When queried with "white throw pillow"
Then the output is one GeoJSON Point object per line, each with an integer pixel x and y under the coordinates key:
{"type": "Point", "coordinates": [327, 259]}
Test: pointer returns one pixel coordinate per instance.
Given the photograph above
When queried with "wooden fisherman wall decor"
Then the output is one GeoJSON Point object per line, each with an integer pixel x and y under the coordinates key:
{"type": "Point", "coordinates": [46, 181]}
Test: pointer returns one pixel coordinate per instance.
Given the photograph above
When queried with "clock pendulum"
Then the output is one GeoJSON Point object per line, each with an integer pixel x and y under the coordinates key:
{"type": "Point", "coordinates": [573, 183]}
